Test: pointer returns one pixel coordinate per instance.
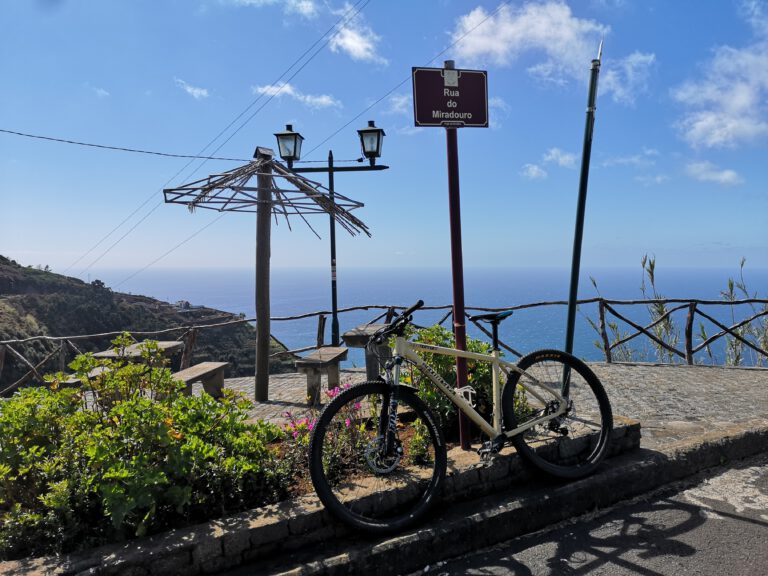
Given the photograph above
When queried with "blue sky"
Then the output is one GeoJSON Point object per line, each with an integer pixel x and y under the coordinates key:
{"type": "Point", "coordinates": [678, 161]}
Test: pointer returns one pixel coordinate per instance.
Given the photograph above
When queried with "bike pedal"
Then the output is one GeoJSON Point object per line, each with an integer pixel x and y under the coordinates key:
{"type": "Point", "coordinates": [490, 449]}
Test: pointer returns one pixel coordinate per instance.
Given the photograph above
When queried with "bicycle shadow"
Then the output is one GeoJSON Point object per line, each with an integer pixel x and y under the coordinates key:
{"type": "Point", "coordinates": [586, 548]}
{"type": "Point", "coordinates": [648, 537]}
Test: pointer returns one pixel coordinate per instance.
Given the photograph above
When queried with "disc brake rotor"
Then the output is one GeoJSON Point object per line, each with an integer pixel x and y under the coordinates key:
{"type": "Point", "coordinates": [382, 463]}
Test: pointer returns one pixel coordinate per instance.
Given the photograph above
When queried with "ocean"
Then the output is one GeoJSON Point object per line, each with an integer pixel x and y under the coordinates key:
{"type": "Point", "coordinates": [300, 291]}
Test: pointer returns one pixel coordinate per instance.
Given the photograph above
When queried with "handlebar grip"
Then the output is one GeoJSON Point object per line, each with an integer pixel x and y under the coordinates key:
{"type": "Point", "coordinates": [413, 308]}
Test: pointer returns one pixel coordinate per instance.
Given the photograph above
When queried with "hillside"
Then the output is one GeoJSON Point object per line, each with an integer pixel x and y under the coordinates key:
{"type": "Point", "coordinates": [36, 302]}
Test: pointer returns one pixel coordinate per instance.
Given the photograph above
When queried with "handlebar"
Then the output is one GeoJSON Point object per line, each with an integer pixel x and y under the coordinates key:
{"type": "Point", "coordinates": [397, 326]}
{"type": "Point", "coordinates": [413, 308]}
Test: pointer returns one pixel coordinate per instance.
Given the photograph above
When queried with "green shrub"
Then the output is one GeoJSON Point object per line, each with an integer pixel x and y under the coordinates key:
{"type": "Point", "coordinates": [125, 455]}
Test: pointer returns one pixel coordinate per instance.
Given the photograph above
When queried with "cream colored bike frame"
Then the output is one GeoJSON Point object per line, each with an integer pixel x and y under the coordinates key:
{"type": "Point", "coordinates": [409, 351]}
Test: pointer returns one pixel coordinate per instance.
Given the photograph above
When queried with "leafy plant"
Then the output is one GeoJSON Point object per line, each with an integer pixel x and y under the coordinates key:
{"type": "Point", "coordinates": [664, 327]}
{"type": "Point", "coordinates": [621, 352]}
{"type": "Point", "coordinates": [124, 455]}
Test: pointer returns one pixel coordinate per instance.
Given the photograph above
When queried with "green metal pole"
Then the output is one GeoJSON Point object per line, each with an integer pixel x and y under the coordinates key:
{"type": "Point", "coordinates": [581, 203]}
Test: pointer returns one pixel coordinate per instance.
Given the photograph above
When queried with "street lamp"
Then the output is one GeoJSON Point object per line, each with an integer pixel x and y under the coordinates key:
{"type": "Point", "coordinates": [371, 139]}
{"type": "Point", "coordinates": [289, 145]}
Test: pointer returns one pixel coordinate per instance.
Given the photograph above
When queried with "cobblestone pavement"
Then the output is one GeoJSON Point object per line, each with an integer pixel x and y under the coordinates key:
{"type": "Point", "coordinates": [287, 393]}
{"type": "Point", "coordinates": [671, 401]}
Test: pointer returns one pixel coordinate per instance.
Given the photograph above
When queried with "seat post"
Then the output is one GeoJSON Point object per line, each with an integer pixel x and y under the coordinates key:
{"type": "Point", "coordinates": [495, 333]}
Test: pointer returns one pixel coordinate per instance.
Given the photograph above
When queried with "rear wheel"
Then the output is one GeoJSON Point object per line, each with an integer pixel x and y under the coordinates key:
{"type": "Point", "coordinates": [357, 478]}
{"type": "Point", "coordinates": [573, 444]}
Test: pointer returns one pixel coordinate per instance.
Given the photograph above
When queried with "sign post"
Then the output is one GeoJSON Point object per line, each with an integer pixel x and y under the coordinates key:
{"type": "Point", "coordinates": [450, 98]}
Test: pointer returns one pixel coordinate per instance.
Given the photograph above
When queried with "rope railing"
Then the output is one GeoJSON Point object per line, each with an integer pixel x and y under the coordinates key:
{"type": "Point", "coordinates": [606, 307]}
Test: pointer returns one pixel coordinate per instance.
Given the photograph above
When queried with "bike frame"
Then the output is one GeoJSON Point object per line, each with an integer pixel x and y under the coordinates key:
{"type": "Point", "coordinates": [409, 350]}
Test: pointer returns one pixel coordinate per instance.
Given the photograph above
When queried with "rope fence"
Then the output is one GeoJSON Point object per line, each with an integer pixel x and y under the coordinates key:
{"type": "Point", "coordinates": [750, 332]}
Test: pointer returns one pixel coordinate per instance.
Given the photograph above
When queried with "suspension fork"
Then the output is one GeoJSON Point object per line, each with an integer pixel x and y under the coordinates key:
{"type": "Point", "coordinates": [388, 416]}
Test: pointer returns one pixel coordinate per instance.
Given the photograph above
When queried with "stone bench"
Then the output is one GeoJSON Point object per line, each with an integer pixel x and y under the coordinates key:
{"type": "Point", "coordinates": [323, 360]}
{"type": "Point", "coordinates": [210, 374]}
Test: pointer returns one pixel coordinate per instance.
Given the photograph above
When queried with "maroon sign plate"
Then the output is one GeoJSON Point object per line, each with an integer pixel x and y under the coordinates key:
{"type": "Point", "coordinates": [443, 97]}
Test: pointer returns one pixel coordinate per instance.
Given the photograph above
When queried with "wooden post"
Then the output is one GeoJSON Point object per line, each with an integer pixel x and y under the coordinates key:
{"type": "Point", "coordinates": [63, 357]}
{"type": "Point", "coordinates": [2, 358]}
{"type": "Point", "coordinates": [457, 267]}
{"type": "Point", "coordinates": [604, 332]}
{"type": "Point", "coordinates": [263, 252]}
{"type": "Point", "coordinates": [189, 346]}
{"type": "Point", "coordinates": [689, 333]}
{"type": "Point", "coordinates": [321, 330]}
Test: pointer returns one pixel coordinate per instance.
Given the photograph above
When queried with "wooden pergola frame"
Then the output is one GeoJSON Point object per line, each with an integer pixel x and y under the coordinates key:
{"type": "Point", "coordinates": [232, 191]}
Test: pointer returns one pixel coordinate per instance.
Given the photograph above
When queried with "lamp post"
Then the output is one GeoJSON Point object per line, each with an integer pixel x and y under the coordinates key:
{"type": "Point", "coordinates": [289, 146]}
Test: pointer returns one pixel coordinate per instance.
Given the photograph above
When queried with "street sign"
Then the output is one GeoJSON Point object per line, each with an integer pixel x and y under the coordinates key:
{"type": "Point", "coordinates": [450, 98]}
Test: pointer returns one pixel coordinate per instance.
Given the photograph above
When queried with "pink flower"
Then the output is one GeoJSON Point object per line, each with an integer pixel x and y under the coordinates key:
{"type": "Point", "coordinates": [358, 406]}
{"type": "Point", "coordinates": [348, 422]}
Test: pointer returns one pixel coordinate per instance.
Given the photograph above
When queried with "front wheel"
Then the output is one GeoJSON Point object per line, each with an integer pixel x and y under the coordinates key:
{"type": "Point", "coordinates": [573, 444]}
{"type": "Point", "coordinates": [365, 479]}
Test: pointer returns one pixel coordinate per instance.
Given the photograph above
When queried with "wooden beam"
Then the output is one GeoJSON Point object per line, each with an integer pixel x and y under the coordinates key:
{"type": "Point", "coordinates": [263, 250]}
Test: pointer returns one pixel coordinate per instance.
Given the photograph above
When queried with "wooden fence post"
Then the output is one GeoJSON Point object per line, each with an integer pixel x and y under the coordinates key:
{"type": "Point", "coordinates": [604, 332]}
{"type": "Point", "coordinates": [63, 357]}
{"type": "Point", "coordinates": [189, 346]}
{"type": "Point", "coordinates": [689, 333]}
{"type": "Point", "coordinates": [321, 330]}
{"type": "Point", "coordinates": [2, 358]}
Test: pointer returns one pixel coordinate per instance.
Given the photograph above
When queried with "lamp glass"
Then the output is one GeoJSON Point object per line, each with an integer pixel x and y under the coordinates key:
{"type": "Point", "coordinates": [371, 139]}
{"type": "Point", "coordinates": [289, 144]}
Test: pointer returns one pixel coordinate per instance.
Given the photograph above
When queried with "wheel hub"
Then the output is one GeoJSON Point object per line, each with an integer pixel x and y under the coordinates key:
{"type": "Point", "coordinates": [380, 462]}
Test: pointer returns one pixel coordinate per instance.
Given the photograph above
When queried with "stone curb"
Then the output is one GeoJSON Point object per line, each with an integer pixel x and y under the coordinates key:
{"type": "Point", "coordinates": [496, 519]}
{"type": "Point", "coordinates": [276, 531]}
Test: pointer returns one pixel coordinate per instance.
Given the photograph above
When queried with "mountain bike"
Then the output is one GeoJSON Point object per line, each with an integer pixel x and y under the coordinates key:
{"type": "Point", "coordinates": [377, 456]}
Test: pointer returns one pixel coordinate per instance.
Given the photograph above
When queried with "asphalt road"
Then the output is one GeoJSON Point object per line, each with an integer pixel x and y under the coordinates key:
{"type": "Point", "coordinates": [717, 526]}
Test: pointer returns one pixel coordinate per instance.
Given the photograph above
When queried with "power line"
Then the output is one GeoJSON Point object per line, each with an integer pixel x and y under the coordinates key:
{"type": "Point", "coordinates": [346, 17]}
{"type": "Point", "coordinates": [156, 260]}
{"type": "Point", "coordinates": [378, 101]}
{"type": "Point", "coordinates": [118, 148]}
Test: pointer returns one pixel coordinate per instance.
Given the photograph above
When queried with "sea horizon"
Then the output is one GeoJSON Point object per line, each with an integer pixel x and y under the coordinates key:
{"type": "Point", "coordinates": [295, 291]}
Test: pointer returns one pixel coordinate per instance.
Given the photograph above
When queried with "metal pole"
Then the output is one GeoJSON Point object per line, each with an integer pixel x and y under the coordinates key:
{"type": "Point", "coordinates": [263, 249]}
{"type": "Point", "coordinates": [334, 299]}
{"type": "Point", "coordinates": [457, 267]}
{"type": "Point", "coordinates": [581, 203]}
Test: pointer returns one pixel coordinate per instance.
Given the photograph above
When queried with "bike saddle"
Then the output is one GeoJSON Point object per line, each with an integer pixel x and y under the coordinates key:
{"type": "Point", "coordinates": [492, 317]}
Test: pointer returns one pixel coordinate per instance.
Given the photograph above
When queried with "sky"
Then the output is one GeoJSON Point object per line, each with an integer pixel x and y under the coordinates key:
{"type": "Point", "coordinates": [678, 159]}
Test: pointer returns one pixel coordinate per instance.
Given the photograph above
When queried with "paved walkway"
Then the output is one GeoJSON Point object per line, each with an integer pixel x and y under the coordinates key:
{"type": "Point", "coordinates": [671, 401]}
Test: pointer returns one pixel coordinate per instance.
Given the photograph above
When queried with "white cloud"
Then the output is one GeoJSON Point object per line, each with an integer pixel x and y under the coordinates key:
{"type": "Point", "coordinates": [727, 106]}
{"type": "Point", "coordinates": [305, 8]}
{"type": "Point", "coordinates": [650, 180]}
{"type": "Point", "coordinates": [311, 100]}
{"type": "Point", "coordinates": [194, 91]}
{"type": "Point", "coordinates": [645, 158]}
{"type": "Point", "coordinates": [557, 156]}
{"type": "Point", "coordinates": [356, 39]}
{"type": "Point", "coordinates": [498, 110]}
{"type": "Point", "coordinates": [533, 172]}
{"type": "Point", "coordinates": [550, 26]}
{"type": "Point", "coordinates": [628, 76]}
{"type": "Point", "coordinates": [568, 45]}
{"type": "Point", "coordinates": [400, 104]}
{"type": "Point", "coordinates": [708, 172]}
{"type": "Point", "coordinates": [99, 92]}
{"type": "Point", "coordinates": [755, 12]}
